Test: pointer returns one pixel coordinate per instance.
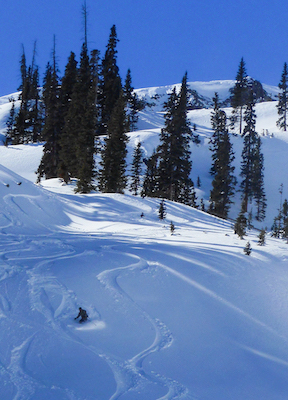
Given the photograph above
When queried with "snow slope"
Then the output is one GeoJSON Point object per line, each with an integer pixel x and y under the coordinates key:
{"type": "Point", "coordinates": [182, 316]}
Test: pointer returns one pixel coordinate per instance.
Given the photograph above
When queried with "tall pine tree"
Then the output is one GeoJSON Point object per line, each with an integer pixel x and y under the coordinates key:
{"type": "Point", "coordinates": [174, 153]}
{"type": "Point", "coordinates": [136, 169]}
{"type": "Point", "coordinates": [150, 179]}
{"type": "Point", "coordinates": [252, 164]}
{"type": "Point", "coordinates": [110, 84]}
{"type": "Point", "coordinates": [67, 153]}
{"type": "Point", "coordinates": [79, 129]}
{"type": "Point", "coordinates": [52, 122]}
{"type": "Point", "coordinates": [258, 181]}
{"type": "Point", "coordinates": [84, 97]}
{"type": "Point", "coordinates": [248, 152]}
{"type": "Point", "coordinates": [239, 95]}
{"type": "Point", "coordinates": [112, 174]}
{"type": "Point", "coordinates": [282, 105]}
{"type": "Point", "coordinates": [133, 103]}
{"type": "Point", "coordinates": [222, 157]}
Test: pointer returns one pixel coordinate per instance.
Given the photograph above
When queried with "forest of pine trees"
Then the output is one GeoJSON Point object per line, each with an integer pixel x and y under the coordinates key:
{"type": "Point", "coordinates": [89, 111]}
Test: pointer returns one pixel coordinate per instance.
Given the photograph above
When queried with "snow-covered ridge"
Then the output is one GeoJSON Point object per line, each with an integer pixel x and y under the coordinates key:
{"type": "Point", "coordinates": [205, 91]}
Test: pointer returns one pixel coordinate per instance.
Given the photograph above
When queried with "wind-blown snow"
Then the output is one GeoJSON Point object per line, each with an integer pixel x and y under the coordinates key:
{"type": "Point", "coordinates": [182, 316]}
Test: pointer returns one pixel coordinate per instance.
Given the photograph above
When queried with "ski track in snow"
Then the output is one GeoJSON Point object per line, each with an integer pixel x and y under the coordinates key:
{"type": "Point", "coordinates": [40, 287]}
{"type": "Point", "coordinates": [130, 375]}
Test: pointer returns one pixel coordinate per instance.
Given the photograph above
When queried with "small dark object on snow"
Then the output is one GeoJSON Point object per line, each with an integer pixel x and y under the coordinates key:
{"type": "Point", "coordinates": [83, 314]}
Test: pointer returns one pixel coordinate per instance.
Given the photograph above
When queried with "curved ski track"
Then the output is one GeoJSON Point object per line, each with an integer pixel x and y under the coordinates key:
{"type": "Point", "coordinates": [27, 261]}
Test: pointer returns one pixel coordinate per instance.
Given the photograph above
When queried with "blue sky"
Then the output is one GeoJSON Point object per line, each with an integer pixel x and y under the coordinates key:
{"type": "Point", "coordinates": [159, 40]}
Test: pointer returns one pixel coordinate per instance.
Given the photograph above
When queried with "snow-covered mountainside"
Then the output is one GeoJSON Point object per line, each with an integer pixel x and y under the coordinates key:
{"type": "Point", "coordinates": [171, 316]}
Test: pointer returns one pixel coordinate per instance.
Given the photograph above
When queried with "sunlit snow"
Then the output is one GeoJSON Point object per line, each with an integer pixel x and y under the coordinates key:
{"type": "Point", "coordinates": [171, 316]}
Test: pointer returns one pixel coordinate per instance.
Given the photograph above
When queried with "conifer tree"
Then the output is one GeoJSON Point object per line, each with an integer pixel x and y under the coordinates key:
{"type": "Point", "coordinates": [247, 249]}
{"type": "Point", "coordinates": [285, 218]}
{"type": "Point", "coordinates": [222, 157]}
{"type": "Point", "coordinates": [258, 181]}
{"type": "Point", "coordinates": [20, 128]}
{"type": "Point", "coordinates": [133, 104]}
{"type": "Point", "coordinates": [277, 227]}
{"type": "Point", "coordinates": [10, 124]}
{"type": "Point", "coordinates": [28, 120]}
{"type": "Point", "coordinates": [150, 179]}
{"type": "Point", "coordinates": [67, 153]}
{"type": "Point", "coordinates": [239, 95]}
{"type": "Point", "coordinates": [85, 123]}
{"type": "Point", "coordinates": [52, 122]}
{"type": "Point", "coordinates": [110, 84]}
{"type": "Point", "coordinates": [175, 163]}
{"type": "Point", "coordinates": [112, 175]}
{"type": "Point", "coordinates": [252, 164]}
{"type": "Point", "coordinates": [240, 225]}
{"type": "Point", "coordinates": [95, 73]}
{"type": "Point", "coordinates": [77, 160]}
{"type": "Point", "coordinates": [162, 210]}
{"type": "Point", "coordinates": [23, 70]}
{"type": "Point", "coordinates": [248, 152]}
{"type": "Point", "coordinates": [261, 237]}
{"type": "Point", "coordinates": [136, 169]}
{"type": "Point", "coordinates": [282, 105]}
{"type": "Point", "coordinates": [35, 120]}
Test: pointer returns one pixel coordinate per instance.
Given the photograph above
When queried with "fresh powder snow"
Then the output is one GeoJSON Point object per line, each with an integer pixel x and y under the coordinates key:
{"type": "Point", "coordinates": [171, 316]}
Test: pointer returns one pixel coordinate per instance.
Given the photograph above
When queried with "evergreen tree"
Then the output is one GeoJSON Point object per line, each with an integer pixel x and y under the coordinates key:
{"type": "Point", "coordinates": [150, 180]}
{"type": "Point", "coordinates": [52, 122]}
{"type": "Point", "coordinates": [10, 124]}
{"type": "Point", "coordinates": [112, 175]}
{"type": "Point", "coordinates": [67, 153]}
{"type": "Point", "coordinates": [248, 249]}
{"type": "Point", "coordinates": [35, 120]}
{"type": "Point", "coordinates": [136, 169]}
{"type": "Point", "coordinates": [240, 225]}
{"type": "Point", "coordinates": [282, 105]}
{"type": "Point", "coordinates": [133, 104]}
{"type": "Point", "coordinates": [77, 159]}
{"type": "Point", "coordinates": [162, 210]}
{"type": "Point", "coordinates": [175, 164]}
{"type": "Point", "coordinates": [277, 227]}
{"type": "Point", "coordinates": [222, 157]}
{"type": "Point", "coordinates": [258, 181]}
{"type": "Point", "coordinates": [84, 96]}
{"type": "Point", "coordinates": [261, 237]}
{"type": "Point", "coordinates": [239, 95]}
{"type": "Point", "coordinates": [19, 133]}
{"type": "Point", "coordinates": [110, 84]}
{"type": "Point", "coordinates": [28, 121]}
{"type": "Point", "coordinates": [285, 218]}
{"type": "Point", "coordinates": [95, 72]}
{"type": "Point", "coordinates": [248, 152]}
{"type": "Point", "coordinates": [23, 71]}
{"type": "Point", "coordinates": [252, 164]}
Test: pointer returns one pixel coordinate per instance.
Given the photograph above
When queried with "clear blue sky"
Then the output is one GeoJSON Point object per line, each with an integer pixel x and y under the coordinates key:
{"type": "Point", "coordinates": [159, 40]}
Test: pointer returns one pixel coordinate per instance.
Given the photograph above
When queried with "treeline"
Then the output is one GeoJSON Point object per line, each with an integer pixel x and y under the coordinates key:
{"type": "Point", "coordinates": [89, 111]}
{"type": "Point", "coordinates": [71, 113]}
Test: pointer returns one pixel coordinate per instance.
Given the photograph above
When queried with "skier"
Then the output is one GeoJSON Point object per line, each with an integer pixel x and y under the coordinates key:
{"type": "Point", "coordinates": [83, 314]}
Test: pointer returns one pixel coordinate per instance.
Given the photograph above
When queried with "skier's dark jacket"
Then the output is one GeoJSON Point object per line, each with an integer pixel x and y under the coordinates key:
{"type": "Point", "coordinates": [83, 314]}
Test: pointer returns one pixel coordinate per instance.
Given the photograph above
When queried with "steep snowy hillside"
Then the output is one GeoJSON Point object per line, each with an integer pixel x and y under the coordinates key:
{"type": "Point", "coordinates": [24, 160]}
{"type": "Point", "coordinates": [171, 316]}
{"type": "Point", "coordinates": [182, 316]}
